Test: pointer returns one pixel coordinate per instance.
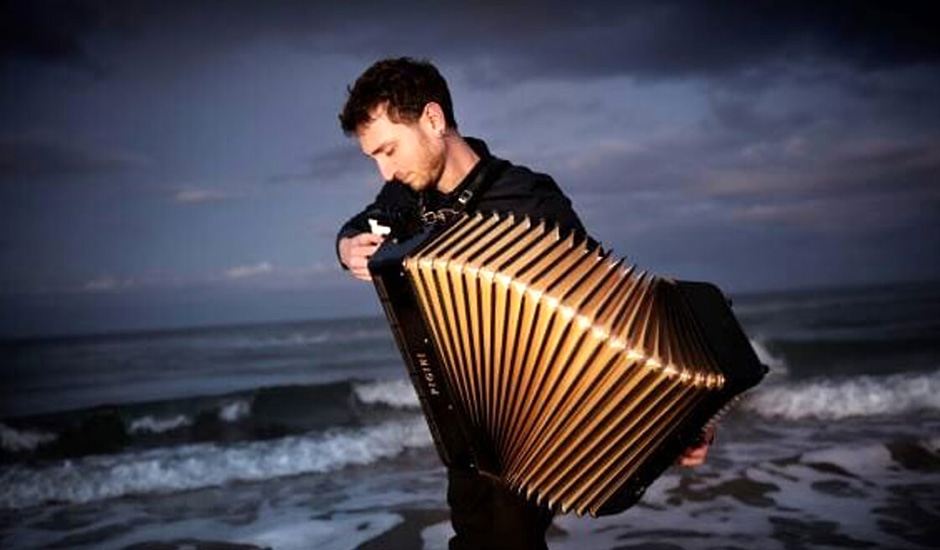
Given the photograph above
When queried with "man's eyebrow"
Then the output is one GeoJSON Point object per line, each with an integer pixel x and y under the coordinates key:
{"type": "Point", "coordinates": [383, 145]}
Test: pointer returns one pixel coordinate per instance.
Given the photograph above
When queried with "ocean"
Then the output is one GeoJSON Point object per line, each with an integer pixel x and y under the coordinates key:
{"type": "Point", "coordinates": [309, 435]}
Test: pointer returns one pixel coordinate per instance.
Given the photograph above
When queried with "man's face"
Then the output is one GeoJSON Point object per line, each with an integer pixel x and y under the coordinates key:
{"type": "Point", "coordinates": [410, 152]}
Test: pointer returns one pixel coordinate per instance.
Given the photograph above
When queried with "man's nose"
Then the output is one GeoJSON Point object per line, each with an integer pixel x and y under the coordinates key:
{"type": "Point", "coordinates": [386, 169]}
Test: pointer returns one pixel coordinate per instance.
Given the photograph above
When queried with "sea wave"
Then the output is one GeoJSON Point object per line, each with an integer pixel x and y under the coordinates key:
{"type": "Point", "coordinates": [777, 365]}
{"type": "Point", "coordinates": [230, 411]}
{"type": "Point", "coordinates": [311, 339]}
{"type": "Point", "coordinates": [15, 441]}
{"type": "Point", "coordinates": [197, 466]}
{"type": "Point", "coordinates": [235, 411]}
{"type": "Point", "coordinates": [241, 416]}
{"type": "Point", "coordinates": [833, 399]}
{"type": "Point", "coordinates": [157, 425]}
{"type": "Point", "coordinates": [398, 393]}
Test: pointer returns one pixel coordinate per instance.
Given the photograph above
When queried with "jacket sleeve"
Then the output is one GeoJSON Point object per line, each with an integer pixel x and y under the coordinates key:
{"type": "Point", "coordinates": [393, 196]}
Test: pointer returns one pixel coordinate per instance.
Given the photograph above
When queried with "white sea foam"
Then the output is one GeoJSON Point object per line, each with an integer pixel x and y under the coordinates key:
{"type": "Point", "coordinates": [311, 339]}
{"type": "Point", "coordinates": [205, 465]}
{"type": "Point", "coordinates": [777, 365]}
{"type": "Point", "coordinates": [860, 396]}
{"type": "Point", "coordinates": [862, 460]}
{"type": "Point", "coordinates": [280, 524]}
{"type": "Point", "coordinates": [235, 410]}
{"type": "Point", "coordinates": [397, 393]}
{"type": "Point", "coordinates": [15, 441]}
{"type": "Point", "coordinates": [149, 424]}
{"type": "Point", "coordinates": [288, 340]}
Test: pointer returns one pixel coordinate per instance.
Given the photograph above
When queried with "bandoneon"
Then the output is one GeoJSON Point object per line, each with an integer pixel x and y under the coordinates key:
{"type": "Point", "coordinates": [544, 362]}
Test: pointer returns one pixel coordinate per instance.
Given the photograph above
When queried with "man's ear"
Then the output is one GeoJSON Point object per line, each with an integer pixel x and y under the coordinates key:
{"type": "Point", "coordinates": [433, 115]}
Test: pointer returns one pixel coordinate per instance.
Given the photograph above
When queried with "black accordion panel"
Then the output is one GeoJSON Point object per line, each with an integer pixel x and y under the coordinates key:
{"type": "Point", "coordinates": [542, 361]}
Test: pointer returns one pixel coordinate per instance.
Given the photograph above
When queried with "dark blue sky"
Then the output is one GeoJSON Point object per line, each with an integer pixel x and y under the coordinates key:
{"type": "Point", "coordinates": [178, 163]}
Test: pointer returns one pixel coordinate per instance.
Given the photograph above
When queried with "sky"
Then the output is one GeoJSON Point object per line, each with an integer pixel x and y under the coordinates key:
{"type": "Point", "coordinates": [171, 164]}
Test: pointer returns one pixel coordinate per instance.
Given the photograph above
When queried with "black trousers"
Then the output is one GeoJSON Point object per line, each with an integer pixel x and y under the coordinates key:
{"type": "Point", "coordinates": [487, 516]}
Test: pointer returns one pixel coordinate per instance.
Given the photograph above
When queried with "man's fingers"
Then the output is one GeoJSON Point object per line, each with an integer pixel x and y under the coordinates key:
{"type": "Point", "coordinates": [361, 273]}
{"type": "Point", "coordinates": [361, 255]}
{"type": "Point", "coordinates": [695, 455]}
{"type": "Point", "coordinates": [377, 239]}
{"type": "Point", "coordinates": [365, 245]}
{"type": "Point", "coordinates": [355, 253]}
{"type": "Point", "coordinates": [365, 250]}
{"type": "Point", "coordinates": [368, 239]}
{"type": "Point", "coordinates": [359, 266]}
{"type": "Point", "coordinates": [692, 461]}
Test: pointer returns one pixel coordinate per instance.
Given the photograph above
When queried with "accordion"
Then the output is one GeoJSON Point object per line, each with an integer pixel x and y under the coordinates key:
{"type": "Point", "coordinates": [542, 361]}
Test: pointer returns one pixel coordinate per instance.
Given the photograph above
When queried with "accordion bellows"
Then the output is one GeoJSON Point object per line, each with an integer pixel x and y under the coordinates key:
{"type": "Point", "coordinates": [567, 372]}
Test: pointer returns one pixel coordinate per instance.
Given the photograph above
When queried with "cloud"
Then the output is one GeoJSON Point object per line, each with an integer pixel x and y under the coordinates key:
{"type": "Point", "coordinates": [260, 276]}
{"type": "Point", "coordinates": [506, 42]}
{"type": "Point", "coordinates": [199, 196]}
{"type": "Point", "coordinates": [247, 271]}
{"type": "Point", "coordinates": [839, 215]}
{"type": "Point", "coordinates": [759, 171]}
{"type": "Point", "coordinates": [107, 283]}
{"type": "Point", "coordinates": [333, 165]}
{"type": "Point", "coordinates": [807, 118]}
{"type": "Point", "coordinates": [267, 276]}
{"type": "Point", "coordinates": [683, 39]}
{"type": "Point", "coordinates": [49, 158]}
{"type": "Point", "coordinates": [50, 31]}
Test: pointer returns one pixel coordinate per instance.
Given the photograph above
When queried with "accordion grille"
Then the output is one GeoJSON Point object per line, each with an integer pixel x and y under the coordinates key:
{"type": "Point", "coordinates": [567, 364]}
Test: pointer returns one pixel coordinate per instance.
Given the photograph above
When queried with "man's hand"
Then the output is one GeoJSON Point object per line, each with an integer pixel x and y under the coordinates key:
{"type": "Point", "coordinates": [355, 252]}
{"type": "Point", "coordinates": [695, 455]}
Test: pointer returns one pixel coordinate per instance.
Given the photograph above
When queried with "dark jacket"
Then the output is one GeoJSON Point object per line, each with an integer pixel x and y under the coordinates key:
{"type": "Point", "coordinates": [484, 513]}
{"type": "Point", "coordinates": [515, 189]}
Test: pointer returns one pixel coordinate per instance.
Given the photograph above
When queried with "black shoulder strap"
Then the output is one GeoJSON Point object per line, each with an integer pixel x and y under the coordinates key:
{"type": "Point", "coordinates": [491, 169]}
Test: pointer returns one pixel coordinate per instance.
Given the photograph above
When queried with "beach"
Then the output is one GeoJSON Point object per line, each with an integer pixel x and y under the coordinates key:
{"type": "Point", "coordinates": [309, 435]}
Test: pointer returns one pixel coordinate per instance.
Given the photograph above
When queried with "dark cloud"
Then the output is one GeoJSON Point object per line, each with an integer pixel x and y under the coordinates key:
{"type": "Point", "coordinates": [54, 31]}
{"type": "Point", "coordinates": [48, 159]}
{"type": "Point", "coordinates": [201, 196]}
{"type": "Point", "coordinates": [329, 166]}
{"type": "Point", "coordinates": [50, 31]}
{"type": "Point", "coordinates": [500, 42]}
{"type": "Point", "coordinates": [698, 39]}
{"type": "Point", "coordinates": [810, 167]}
{"type": "Point", "coordinates": [756, 140]}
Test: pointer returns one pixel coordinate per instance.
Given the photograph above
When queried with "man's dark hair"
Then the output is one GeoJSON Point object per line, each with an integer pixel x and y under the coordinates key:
{"type": "Point", "coordinates": [404, 85]}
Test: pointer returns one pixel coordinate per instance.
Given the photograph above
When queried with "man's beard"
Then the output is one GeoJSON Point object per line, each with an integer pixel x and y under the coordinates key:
{"type": "Point", "coordinates": [429, 176]}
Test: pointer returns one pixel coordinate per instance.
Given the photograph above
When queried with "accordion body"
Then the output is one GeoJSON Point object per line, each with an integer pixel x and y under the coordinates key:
{"type": "Point", "coordinates": [542, 361]}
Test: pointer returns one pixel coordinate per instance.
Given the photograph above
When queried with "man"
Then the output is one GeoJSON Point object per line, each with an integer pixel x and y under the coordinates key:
{"type": "Point", "coordinates": [400, 111]}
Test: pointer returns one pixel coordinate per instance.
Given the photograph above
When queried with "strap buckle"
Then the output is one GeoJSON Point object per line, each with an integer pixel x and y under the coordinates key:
{"type": "Point", "coordinates": [465, 197]}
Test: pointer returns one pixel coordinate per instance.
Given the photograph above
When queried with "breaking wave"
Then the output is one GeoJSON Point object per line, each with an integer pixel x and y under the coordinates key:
{"type": "Point", "coordinates": [850, 397]}
{"type": "Point", "coordinates": [197, 466]}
